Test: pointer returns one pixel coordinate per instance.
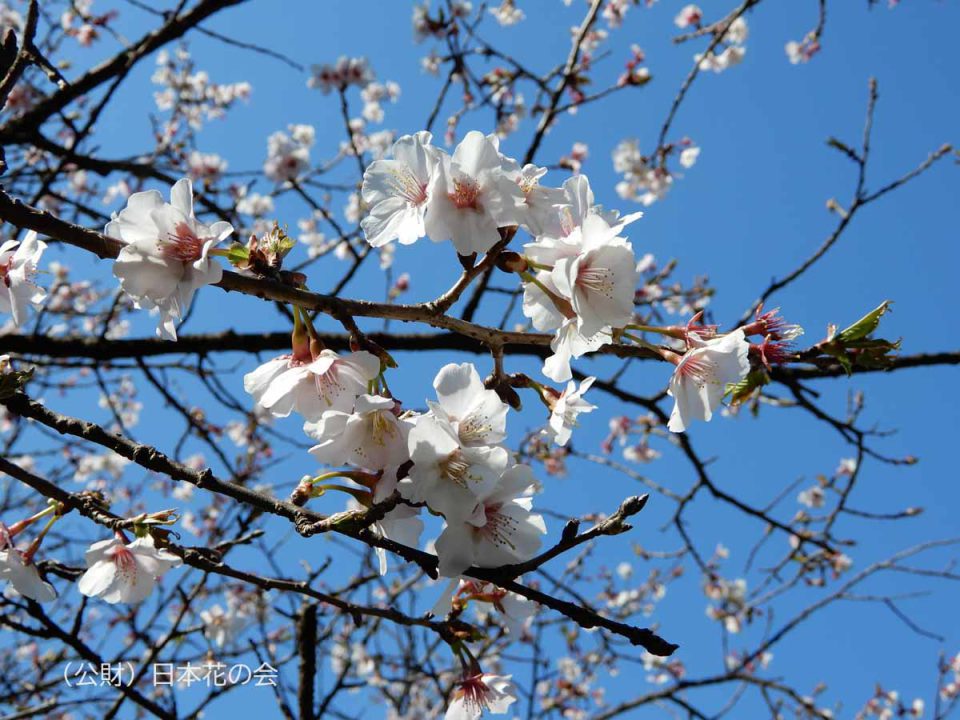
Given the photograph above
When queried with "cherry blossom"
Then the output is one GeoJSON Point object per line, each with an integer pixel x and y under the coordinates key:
{"type": "Point", "coordinates": [515, 611]}
{"type": "Point", "coordinates": [542, 204]}
{"type": "Point", "coordinates": [600, 281]}
{"type": "Point", "coordinates": [167, 253]}
{"type": "Point", "coordinates": [479, 692]}
{"type": "Point", "coordinates": [118, 571]}
{"type": "Point", "coordinates": [288, 153]}
{"type": "Point", "coordinates": [478, 415]}
{"type": "Point", "coordinates": [701, 377]}
{"type": "Point", "coordinates": [688, 156]}
{"type": "Point", "coordinates": [222, 627]}
{"type": "Point", "coordinates": [570, 343]}
{"type": "Point", "coordinates": [371, 437]}
{"type": "Point", "coordinates": [507, 13]}
{"type": "Point", "coordinates": [471, 196]}
{"type": "Point", "coordinates": [447, 475]}
{"type": "Point", "coordinates": [18, 266]}
{"type": "Point", "coordinates": [20, 572]}
{"type": "Point", "coordinates": [580, 205]}
{"type": "Point", "coordinates": [566, 408]}
{"type": "Point", "coordinates": [330, 382]}
{"type": "Point", "coordinates": [503, 532]}
{"type": "Point", "coordinates": [397, 191]}
{"type": "Point", "coordinates": [689, 15]}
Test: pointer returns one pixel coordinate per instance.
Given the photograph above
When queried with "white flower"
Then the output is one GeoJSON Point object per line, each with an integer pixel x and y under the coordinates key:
{"type": "Point", "coordinates": [331, 382]}
{"type": "Point", "coordinates": [688, 156]}
{"type": "Point", "coordinates": [738, 32]}
{"type": "Point", "coordinates": [567, 407]}
{"type": "Point", "coordinates": [166, 257]}
{"type": "Point", "coordinates": [397, 191]}
{"type": "Point", "coordinates": [700, 380]}
{"type": "Point", "coordinates": [18, 265]}
{"type": "Point", "coordinates": [580, 205]}
{"type": "Point", "coordinates": [502, 533]}
{"type": "Point", "coordinates": [539, 298]}
{"type": "Point", "coordinates": [542, 205]}
{"type": "Point", "coordinates": [471, 196]}
{"type": "Point", "coordinates": [222, 627]}
{"type": "Point", "coordinates": [477, 693]}
{"type": "Point", "coordinates": [206, 166]}
{"type": "Point", "coordinates": [118, 572]}
{"type": "Point", "coordinates": [813, 497]}
{"type": "Point", "coordinates": [569, 343]}
{"type": "Point", "coordinates": [478, 415]}
{"type": "Point", "coordinates": [24, 576]}
{"type": "Point", "coordinates": [515, 610]}
{"type": "Point", "coordinates": [446, 475]}
{"type": "Point", "coordinates": [600, 281]}
{"type": "Point", "coordinates": [690, 15]}
{"type": "Point", "coordinates": [507, 13]}
{"type": "Point", "coordinates": [372, 437]}
{"type": "Point", "coordinates": [288, 156]}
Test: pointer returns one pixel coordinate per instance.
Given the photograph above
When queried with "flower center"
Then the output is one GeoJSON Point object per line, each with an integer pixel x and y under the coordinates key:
{"type": "Point", "coordinates": [455, 468]}
{"type": "Point", "coordinates": [696, 367]}
{"type": "Point", "coordinates": [499, 528]}
{"type": "Point", "coordinates": [473, 429]}
{"type": "Point", "coordinates": [126, 564]}
{"type": "Point", "coordinates": [382, 430]}
{"type": "Point", "coordinates": [597, 280]}
{"type": "Point", "coordinates": [182, 244]}
{"type": "Point", "coordinates": [406, 184]}
{"type": "Point", "coordinates": [329, 384]}
{"type": "Point", "coordinates": [466, 194]}
{"type": "Point", "coordinates": [475, 694]}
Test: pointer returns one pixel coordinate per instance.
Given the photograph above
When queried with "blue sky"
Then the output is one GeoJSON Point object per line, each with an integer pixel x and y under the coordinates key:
{"type": "Point", "coordinates": [752, 208]}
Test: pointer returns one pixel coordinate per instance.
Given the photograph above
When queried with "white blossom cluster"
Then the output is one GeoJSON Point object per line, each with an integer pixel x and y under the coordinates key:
{"type": "Point", "coordinates": [191, 95]}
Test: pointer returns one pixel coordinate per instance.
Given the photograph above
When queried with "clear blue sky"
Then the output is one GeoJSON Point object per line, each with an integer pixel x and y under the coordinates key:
{"type": "Point", "coordinates": [752, 208]}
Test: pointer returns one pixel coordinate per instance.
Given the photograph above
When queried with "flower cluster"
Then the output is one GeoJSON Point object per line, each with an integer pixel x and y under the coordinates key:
{"type": "Point", "coordinates": [190, 95]}
{"type": "Point", "coordinates": [644, 179]}
{"type": "Point", "coordinates": [341, 75]}
{"type": "Point", "coordinates": [288, 153]}
{"type": "Point", "coordinates": [580, 275]}
{"type": "Point", "coordinates": [731, 49]}
{"type": "Point", "coordinates": [887, 704]}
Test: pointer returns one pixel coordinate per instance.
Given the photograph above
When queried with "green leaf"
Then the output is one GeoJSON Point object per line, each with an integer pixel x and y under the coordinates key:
{"type": "Point", "coordinates": [741, 391]}
{"type": "Point", "coordinates": [864, 326]}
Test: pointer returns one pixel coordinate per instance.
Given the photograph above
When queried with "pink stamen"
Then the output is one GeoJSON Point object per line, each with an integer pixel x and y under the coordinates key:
{"type": "Point", "coordinates": [465, 195]}
{"type": "Point", "coordinates": [499, 528]}
{"type": "Point", "coordinates": [598, 280]}
{"type": "Point", "coordinates": [696, 367]}
{"type": "Point", "coordinates": [475, 693]}
{"type": "Point", "coordinates": [183, 244]}
{"type": "Point", "coordinates": [126, 564]}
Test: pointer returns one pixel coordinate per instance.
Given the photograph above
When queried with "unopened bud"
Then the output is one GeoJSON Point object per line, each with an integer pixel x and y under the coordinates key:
{"type": "Point", "coordinates": [512, 262]}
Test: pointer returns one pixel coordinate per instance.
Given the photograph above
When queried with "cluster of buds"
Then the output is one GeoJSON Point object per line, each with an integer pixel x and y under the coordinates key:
{"type": "Point", "coordinates": [263, 256]}
{"type": "Point", "coordinates": [635, 73]}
